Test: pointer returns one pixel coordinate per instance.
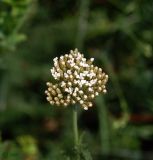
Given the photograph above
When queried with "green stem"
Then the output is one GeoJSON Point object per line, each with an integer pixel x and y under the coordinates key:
{"type": "Point", "coordinates": [75, 131]}
{"type": "Point", "coordinates": [104, 126]}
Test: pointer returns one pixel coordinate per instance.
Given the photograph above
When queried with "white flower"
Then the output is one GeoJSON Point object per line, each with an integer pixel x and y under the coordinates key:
{"type": "Point", "coordinates": [78, 80]}
{"type": "Point", "coordinates": [91, 59]}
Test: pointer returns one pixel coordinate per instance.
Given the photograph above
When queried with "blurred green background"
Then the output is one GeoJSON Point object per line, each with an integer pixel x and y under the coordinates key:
{"type": "Point", "coordinates": [119, 35]}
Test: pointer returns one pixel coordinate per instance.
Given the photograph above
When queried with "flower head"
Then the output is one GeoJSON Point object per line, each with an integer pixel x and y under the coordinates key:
{"type": "Point", "coordinates": [78, 81]}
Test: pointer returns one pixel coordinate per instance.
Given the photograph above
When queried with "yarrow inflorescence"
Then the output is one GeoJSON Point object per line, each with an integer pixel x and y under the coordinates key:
{"type": "Point", "coordinates": [78, 81]}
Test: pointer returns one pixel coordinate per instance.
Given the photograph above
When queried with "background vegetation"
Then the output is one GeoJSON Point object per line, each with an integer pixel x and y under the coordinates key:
{"type": "Point", "coordinates": [119, 35]}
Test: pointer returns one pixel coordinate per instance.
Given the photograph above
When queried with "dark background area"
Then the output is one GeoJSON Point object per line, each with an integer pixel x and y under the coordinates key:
{"type": "Point", "coordinates": [119, 35]}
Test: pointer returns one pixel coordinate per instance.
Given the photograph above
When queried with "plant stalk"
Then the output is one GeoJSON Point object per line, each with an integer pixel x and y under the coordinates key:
{"type": "Point", "coordinates": [75, 131]}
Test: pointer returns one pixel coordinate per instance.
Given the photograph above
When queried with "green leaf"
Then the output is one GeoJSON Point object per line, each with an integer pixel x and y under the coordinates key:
{"type": "Point", "coordinates": [86, 154]}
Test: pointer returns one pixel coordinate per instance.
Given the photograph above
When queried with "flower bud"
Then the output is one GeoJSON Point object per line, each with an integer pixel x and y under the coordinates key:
{"type": "Point", "coordinates": [78, 80]}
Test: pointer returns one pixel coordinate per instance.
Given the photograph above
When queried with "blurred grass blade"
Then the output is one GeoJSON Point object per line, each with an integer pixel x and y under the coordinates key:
{"type": "Point", "coordinates": [104, 125]}
{"type": "Point", "coordinates": [119, 92]}
{"type": "Point", "coordinates": [82, 23]}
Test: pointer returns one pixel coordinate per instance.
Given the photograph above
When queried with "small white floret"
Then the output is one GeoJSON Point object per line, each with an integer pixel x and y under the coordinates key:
{"type": "Point", "coordinates": [91, 59]}
{"type": "Point", "coordinates": [85, 108]}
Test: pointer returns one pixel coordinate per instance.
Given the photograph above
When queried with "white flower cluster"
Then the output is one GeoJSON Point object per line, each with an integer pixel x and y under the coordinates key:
{"type": "Point", "coordinates": [78, 80]}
